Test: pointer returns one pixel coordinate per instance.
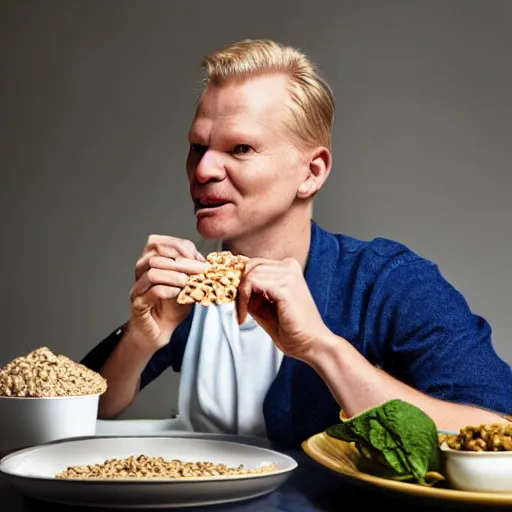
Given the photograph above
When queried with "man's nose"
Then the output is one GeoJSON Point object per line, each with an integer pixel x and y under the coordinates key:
{"type": "Point", "coordinates": [210, 167]}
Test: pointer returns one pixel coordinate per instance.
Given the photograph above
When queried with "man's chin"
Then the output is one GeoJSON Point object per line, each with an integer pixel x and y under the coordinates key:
{"type": "Point", "coordinates": [208, 229]}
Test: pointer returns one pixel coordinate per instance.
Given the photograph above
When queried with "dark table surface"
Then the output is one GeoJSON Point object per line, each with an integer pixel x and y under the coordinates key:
{"type": "Point", "coordinates": [310, 488]}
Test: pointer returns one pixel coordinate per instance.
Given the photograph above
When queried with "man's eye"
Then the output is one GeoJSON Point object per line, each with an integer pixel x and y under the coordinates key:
{"type": "Point", "coordinates": [241, 149]}
{"type": "Point", "coordinates": [198, 149]}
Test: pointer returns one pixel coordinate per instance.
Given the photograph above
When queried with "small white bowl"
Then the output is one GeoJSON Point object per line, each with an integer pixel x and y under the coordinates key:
{"type": "Point", "coordinates": [478, 471]}
{"type": "Point", "coordinates": [30, 421]}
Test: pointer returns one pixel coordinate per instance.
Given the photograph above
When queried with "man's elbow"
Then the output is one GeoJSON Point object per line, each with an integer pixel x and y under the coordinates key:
{"type": "Point", "coordinates": [106, 412]}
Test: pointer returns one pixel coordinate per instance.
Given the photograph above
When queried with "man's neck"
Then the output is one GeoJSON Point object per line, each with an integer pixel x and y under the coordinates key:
{"type": "Point", "coordinates": [290, 239]}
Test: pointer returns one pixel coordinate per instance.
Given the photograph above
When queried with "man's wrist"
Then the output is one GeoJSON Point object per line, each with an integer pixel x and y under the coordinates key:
{"type": "Point", "coordinates": [322, 348]}
{"type": "Point", "coordinates": [137, 342]}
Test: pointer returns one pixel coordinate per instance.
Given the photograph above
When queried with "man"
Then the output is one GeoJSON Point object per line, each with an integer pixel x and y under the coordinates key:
{"type": "Point", "coordinates": [322, 322]}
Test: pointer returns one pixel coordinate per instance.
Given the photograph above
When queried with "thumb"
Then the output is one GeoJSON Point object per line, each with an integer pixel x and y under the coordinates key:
{"type": "Point", "coordinates": [264, 312]}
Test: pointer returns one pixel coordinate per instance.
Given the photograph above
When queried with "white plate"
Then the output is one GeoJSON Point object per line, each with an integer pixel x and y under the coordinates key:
{"type": "Point", "coordinates": [139, 427]}
{"type": "Point", "coordinates": [31, 471]}
{"type": "Point", "coordinates": [171, 427]}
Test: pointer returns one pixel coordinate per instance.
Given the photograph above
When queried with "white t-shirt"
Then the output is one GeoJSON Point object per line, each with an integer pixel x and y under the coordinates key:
{"type": "Point", "coordinates": [226, 371]}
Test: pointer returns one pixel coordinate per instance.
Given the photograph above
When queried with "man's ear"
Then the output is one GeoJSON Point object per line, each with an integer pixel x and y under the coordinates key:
{"type": "Point", "coordinates": [319, 167]}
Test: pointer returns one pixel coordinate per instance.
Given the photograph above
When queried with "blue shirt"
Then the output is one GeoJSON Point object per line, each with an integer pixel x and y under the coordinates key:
{"type": "Point", "coordinates": [397, 309]}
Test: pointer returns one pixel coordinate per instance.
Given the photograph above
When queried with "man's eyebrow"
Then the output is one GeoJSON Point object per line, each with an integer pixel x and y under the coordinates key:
{"type": "Point", "coordinates": [241, 130]}
{"type": "Point", "coordinates": [240, 134]}
{"type": "Point", "coordinates": [196, 136]}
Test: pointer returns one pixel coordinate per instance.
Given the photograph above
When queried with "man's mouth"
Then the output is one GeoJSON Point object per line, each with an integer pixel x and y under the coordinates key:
{"type": "Point", "coordinates": [207, 205]}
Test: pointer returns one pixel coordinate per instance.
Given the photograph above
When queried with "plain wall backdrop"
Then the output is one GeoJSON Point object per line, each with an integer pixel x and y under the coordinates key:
{"type": "Point", "coordinates": [96, 98]}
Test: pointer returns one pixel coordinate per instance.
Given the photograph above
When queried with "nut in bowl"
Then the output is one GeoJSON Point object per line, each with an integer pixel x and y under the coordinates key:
{"type": "Point", "coordinates": [479, 458]}
{"type": "Point", "coordinates": [45, 397]}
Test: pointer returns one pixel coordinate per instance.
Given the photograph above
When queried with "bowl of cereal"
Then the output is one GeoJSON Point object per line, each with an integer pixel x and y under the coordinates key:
{"type": "Point", "coordinates": [45, 397]}
{"type": "Point", "coordinates": [479, 458]}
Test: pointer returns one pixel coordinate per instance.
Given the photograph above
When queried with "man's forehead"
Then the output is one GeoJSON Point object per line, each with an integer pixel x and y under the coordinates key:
{"type": "Point", "coordinates": [259, 100]}
{"type": "Point", "coordinates": [240, 122]}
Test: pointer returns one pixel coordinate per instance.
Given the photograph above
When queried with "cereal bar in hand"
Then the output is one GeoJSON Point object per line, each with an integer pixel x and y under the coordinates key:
{"type": "Point", "coordinates": [217, 286]}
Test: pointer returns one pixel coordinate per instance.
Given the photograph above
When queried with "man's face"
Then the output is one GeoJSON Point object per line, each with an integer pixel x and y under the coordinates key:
{"type": "Point", "coordinates": [242, 167]}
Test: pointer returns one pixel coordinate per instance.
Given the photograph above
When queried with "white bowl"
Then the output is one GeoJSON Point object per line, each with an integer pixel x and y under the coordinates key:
{"type": "Point", "coordinates": [478, 471]}
{"type": "Point", "coordinates": [32, 421]}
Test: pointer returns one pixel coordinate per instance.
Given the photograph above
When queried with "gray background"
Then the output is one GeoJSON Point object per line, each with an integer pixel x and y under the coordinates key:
{"type": "Point", "coordinates": [96, 99]}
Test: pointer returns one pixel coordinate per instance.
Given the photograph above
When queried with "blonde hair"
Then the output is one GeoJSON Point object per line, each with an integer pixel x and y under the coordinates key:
{"type": "Point", "coordinates": [312, 102]}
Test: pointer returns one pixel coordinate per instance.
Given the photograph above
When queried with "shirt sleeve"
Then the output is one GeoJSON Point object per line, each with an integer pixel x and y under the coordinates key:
{"type": "Point", "coordinates": [438, 345]}
{"type": "Point", "coordinates": [97, 356]}
{"type": "Point", "coordinates": [170, 355]}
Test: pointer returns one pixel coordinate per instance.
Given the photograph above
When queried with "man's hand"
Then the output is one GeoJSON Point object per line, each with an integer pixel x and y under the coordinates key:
{"type": "Point", "coordinates": [275, 293]}
{"type": "Point", "coordinates": [160, 273]}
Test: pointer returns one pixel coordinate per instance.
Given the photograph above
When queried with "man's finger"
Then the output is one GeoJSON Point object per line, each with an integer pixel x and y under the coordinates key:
{"type": "Point", "coordinates": [186, 248]}
{"type": "Point", "coordinates": [264, 313]}
{"type": "Point", "coordinates": [193, 249]}
{"type": "Point", "coordinates": [184, 265]}
{"type": "Point", "coordinates": [156, 276]}
{"type": "Point", "coordinates": [256, 262]}
{"type": "Point", "coordinates": [142, 264]}
{"type": "Point", "coordinates": [242, 299]}
{"type": "Point", "coordinates": [171, 260]}
{"type": "Point", "coordinates": [241, 308]}
{"type": "Point", "coordinates": [153, 295]}
{"type": "Point", "coordinates": [250, 285]}
{"type": "Point", "coordinates": [245, 288]}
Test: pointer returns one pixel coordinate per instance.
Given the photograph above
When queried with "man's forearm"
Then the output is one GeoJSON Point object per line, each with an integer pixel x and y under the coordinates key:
{"type": "Point", "coordinates": [122, 371]}
{"type": "Point", "coordinates": [357, 385]}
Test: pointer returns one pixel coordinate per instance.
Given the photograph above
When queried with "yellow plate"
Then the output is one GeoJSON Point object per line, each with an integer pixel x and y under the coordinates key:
{"type": "Point", "coordinates": [344, 458]}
